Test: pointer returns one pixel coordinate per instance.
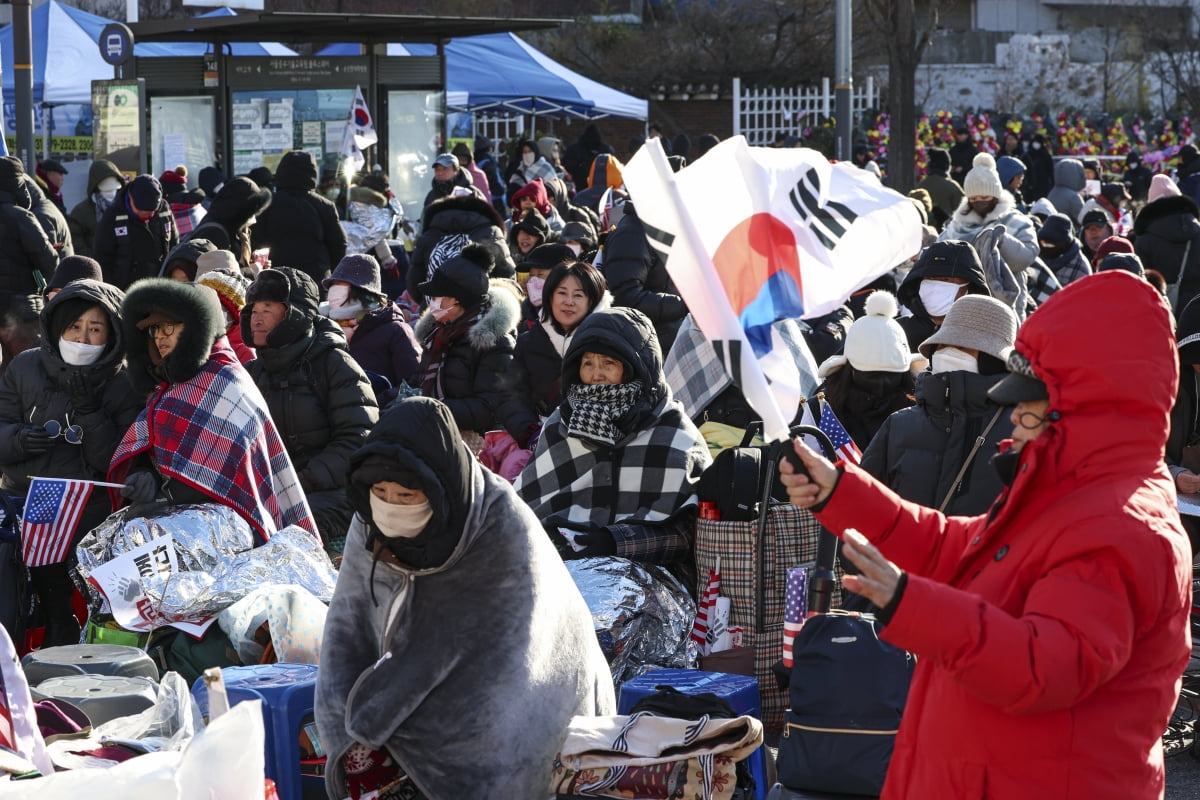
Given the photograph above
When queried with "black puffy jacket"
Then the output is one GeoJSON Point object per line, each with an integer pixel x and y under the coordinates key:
{"type": "Point", "coordinates": [52, 218]}
{"type": "Point", "coordinates": [39, 386]}
{"type": "Point", "coordinates": [319, 397]}
{"type": "Point", "coordinates": [129, 249]}
{"type": "Point", "coordinates": [918, 451]}
{"type": "Point", "coordinates": [23, 243]}
{"type": "Point", "coordinates": [300, 226]}
{"type": "Point", "coordinates": [473, 378]}
{"type": "Point", "coordinates": [1161, 234]}
{"type": "Point", "coordinates": [638, 278]}
{"type": "Point", "coordinates": [450, 224]}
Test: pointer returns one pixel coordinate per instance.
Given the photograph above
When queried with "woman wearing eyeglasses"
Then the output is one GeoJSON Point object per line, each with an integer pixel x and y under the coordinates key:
{"type": "Point", "coordinates": [205, 434]}
{"type": "Point", "coordinates": [63, 407]}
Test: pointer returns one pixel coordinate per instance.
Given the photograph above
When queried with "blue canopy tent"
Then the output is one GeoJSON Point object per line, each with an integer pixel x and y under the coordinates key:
{"type": "Point", "coordinates": [67, 77]}
{"type": "Point", "coordinates": [501, 73]}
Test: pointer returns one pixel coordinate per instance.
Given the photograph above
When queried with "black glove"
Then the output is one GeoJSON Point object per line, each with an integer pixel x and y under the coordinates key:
{"type": "Point", "coordinates": [84, 399]}
{"type": "Point", "coordinates": [140, 487]}
{"type": "Point", "coordinates": [34, 440]}
{"type": "Point", "coordinates": [595, 541]}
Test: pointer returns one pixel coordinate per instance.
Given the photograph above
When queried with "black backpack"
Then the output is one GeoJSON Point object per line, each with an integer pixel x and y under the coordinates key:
{"type": "Point", "coordinates": [737, 477]}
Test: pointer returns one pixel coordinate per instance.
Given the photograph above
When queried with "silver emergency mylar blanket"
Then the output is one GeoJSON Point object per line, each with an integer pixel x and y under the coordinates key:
{"type": "Point", "coordinates": [368, 226]}
{"type": "Point", "coordinates": [643, 616]}
{"type": "Point", "coordinates": [190, 562]}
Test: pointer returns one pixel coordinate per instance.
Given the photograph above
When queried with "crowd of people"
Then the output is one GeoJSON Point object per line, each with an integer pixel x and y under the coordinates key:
{"type": "Point", "coordinates": [479, 408]}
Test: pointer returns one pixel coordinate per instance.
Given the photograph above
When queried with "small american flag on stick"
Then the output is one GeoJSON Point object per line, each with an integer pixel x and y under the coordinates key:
{"type": "Point", "coordinates": [832, 426]}
{"type": "Point", "coordinates": [795, 609]}
{"type": "Point", "coordinates": [52, 511]}
{"type": "Point", "coordinates": [704, 611]}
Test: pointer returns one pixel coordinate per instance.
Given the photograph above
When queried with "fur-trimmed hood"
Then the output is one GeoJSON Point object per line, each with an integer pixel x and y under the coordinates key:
{"type": "Point", "coordinates": [239, 200]}
{"type": "Point", "coordinates": [1162, 208]}
{"type": "Point", "coordinates": [499, 319]}
{"type": "Point", "coordinates": [199, 310]}
{"type": "Point", "coordinates": [967, 219]}
{"type": "Point", "coordinates": [464, 206]}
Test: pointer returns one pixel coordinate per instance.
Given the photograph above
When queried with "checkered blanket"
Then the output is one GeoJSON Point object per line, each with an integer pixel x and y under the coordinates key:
{"type": "Point", "coordinates": [214, 433]}
{"type": "Point", "coordinates": [648, 476]}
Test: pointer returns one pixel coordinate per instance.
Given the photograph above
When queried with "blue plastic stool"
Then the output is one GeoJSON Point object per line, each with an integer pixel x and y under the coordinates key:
{"type": "Point", "coordinates": [288, 692]}
{"type": "Point", "coordinates": [739, 690]}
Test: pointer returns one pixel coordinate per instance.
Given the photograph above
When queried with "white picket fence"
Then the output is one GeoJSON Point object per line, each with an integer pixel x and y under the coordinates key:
{"type": "Point", "coordinates": [499, 129]}
{"type": "Point", "coordinates": [760, 114]}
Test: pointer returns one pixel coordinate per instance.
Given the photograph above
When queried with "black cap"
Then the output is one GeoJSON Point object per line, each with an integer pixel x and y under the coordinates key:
{"type": "Point", "coordinates": [1095, 217]}
{"type": "Point", "coordinates": [50, 165]}
{"type": "Point", "coordinates": [1020, 385]}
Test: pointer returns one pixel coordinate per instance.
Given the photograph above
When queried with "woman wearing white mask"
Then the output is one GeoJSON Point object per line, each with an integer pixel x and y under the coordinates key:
{"type": "Point", "coordinates": [381, 341]}
{"type": "Point", "coordinates": [450, 577]}
{"type": "Point", "coordinates": [468, 333]}
{"type": "Point", "coordinates": [875, 374]}
{"type": "Point", "coordinates": [937, 452]}
{"type": "Point", "coordinates": [63, 408]}
{"type": "Point", "coordinates": [571, 292]}
{"type": "Point", "coordinates": [945, 272]}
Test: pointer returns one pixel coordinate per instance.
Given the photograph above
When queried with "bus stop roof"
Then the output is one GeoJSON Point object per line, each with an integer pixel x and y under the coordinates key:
{"type": "Point", "coordinates": [322, 28]}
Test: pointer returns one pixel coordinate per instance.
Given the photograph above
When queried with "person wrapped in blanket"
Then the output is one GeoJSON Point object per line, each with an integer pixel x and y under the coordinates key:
{"type": "Point", "coordinates": [205, 435]}
{"type": "Point", "coordinates": [63, 408]}
{"type": "Point", "coordinates": [488, 649]}
{"type": "Point", "coordinates": [616, 467]}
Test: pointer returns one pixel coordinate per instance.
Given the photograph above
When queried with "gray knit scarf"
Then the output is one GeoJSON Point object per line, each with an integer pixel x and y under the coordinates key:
{"type": "Point", "coordinates": [595, 409]}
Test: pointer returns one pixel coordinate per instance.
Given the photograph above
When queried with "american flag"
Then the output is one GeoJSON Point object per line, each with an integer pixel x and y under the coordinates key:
{"type": "Point", "coordinates": [704, 611]}
{"type": "Point", "coordinates": [832, 426]}
{"type": "Point", "coordinates": [795, 609]}
{"type": "Point", "coordinates": [52, 511]}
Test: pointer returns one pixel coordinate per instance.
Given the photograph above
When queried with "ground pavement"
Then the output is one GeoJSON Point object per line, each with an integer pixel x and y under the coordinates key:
{"type": "Point", "coordinates": [1183, 777]}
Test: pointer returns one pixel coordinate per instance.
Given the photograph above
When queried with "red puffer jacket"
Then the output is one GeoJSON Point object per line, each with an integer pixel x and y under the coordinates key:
{"type": "Point", "coordinates": [1052, 631]}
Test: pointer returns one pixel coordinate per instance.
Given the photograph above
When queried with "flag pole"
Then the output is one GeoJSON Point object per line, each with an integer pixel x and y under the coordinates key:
{"type": "Point", "coordinates": [79, 480]}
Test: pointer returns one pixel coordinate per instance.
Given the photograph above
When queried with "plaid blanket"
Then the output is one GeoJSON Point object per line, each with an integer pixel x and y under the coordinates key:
{"type": "Point", "coordinates": [214, 433]}
{"type": "Point", "coordinates": [648, 476]}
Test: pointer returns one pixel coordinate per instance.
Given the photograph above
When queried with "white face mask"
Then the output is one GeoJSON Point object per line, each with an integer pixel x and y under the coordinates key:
{"type": "Point", "coordinates": [1036, 145]}
{"type": "Point", "coordinates": [400, 522]}
{"type": "Point", "coordinates": [528, 158]}
{"type": "Point", "coordinates": [938, 296]}
{"type": "Point", "coordinates": [338, 295]}
{"type": "Point", "coordinates": [533, 288]}
{"type": "Point", "coordinates": [109, 195]}
{"type": "Point", "coordinates": [951, 359]}
{"type": "Point", "coordinates": [440, 307]}
{"type": "Point", "coordinates": [333, 193]}
{"type": "Point", "coordinates": [78, 354]}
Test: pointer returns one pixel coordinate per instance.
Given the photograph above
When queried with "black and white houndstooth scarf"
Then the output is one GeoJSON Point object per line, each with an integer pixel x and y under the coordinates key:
{"type": "Point", "coordinates": [595, 409]}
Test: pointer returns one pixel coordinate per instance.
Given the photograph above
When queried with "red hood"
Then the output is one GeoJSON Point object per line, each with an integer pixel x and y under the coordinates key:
{"type": "Point", "coordinates": [536, 190]}
{"type": "Point", "coordinates": [1105, 348]}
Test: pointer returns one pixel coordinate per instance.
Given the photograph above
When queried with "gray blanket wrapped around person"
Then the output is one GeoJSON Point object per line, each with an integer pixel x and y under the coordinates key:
{"type": "Point", "coordinates": [457, 648]}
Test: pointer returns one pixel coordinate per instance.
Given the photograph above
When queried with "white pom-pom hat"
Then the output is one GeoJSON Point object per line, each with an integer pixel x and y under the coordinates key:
{"type": "Point", "coordinates": [983, 180]}
{"type": "Point", "coordinates": [876, 342]}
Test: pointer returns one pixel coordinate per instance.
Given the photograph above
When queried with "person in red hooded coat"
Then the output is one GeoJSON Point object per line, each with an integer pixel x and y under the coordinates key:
{"type": "Point", "coordinates": [1051, 632]}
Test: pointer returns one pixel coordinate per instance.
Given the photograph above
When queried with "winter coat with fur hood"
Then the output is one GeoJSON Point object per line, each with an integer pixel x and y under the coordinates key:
{"type": "Point", "coordinates": [1161, 234]}
{"type": "Point", "coordinates": [1019, 245]}
{"type": "Point", "coordinates": [300, 226]}
{"type": "Point", "coordinates": [24, 246]}
{"type": "Point", "coordinates": [408, 649]}
{"type": "Point", "coordinates": [39, 386]}
{"type": "Point", "coordinates": [319, 397]}
{"type": "Point", "coordinates": [473, 378]}
{"type": "Point", "coordinates": [448, 225]}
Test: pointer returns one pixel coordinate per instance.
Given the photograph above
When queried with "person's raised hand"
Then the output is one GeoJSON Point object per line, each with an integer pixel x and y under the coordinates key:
{"type": "Point", "coordinates": [879, 577]}
{"type": "Point", "coordinates": [1187, 483]}
{"type": "Point", "coordinates": [806, 491]}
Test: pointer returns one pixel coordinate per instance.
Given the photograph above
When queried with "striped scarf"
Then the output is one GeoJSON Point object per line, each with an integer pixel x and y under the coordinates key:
{"type": "Point", "coordinates": [437, 343]}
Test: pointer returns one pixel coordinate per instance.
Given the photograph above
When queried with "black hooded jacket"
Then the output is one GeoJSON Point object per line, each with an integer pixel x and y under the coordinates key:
{"type": "Point", "coordinates": [129, 249]}
{"type": "Point", "coordinates": [52, 219]}
{"type": "Point", "coordinates": [229, 218]}
{"type": "Point", "coordinates": [1161, 236]}
{"type": "Point", "coordinates": [319, 397]}
{"type": "Point", "coordinates": [447, 226]}
{"type": "Point", "coordinates": [300, 226]}
{"type": "Point", "coordinates": [23, 243]}
{"type": "Point", "coordinates": [39, 386]}
{"type": "Point", "coordinates": [638, 278]}
{"type": "Point", "coordinates": [578, 158]}
{"type": "Point", "coordinates": [187, 252]}
{"type": "Point", "coordinates": [83, 217]}
{"type": "Point", "coordinates": [918, 326]}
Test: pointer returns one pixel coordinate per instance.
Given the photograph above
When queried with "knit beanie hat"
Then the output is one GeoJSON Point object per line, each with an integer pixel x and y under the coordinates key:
{"type": "Point", "coordinates": [229, 284]}
{"type": "Point", "coordinates": [211, 180]}
{"type": "Point", "coordinates": [172, 182]}
{"type": "Point", "coordinates": [1057, 230]}
{"type": "Point", "coordinates": [213, 260]}
{"type": "Point", "coordinates": [1126, 261]}
{"type": "Point", "coordinates": [939, 159]}
{"type": "Point", "coordinates": [357, 269]}
{"type": "Point", "coordinates": [145, 191]}
{"type": "Point", "coordinates": [983, 180]}
{"type": "Point", "coordinates": [876, 342]}
{"type": "Point", "coordinates": [976, 321]}
{"type": "Point", "coordinates": [1008, 168]}
{"type": "Point", "coordinates": [75, 268]}
{"type": "Point", "coordinates": [1113, 244]}
{"type": "Point", "coordinates": [1161, 186]}
{"type": "Point", "coordinates": [464, 277]}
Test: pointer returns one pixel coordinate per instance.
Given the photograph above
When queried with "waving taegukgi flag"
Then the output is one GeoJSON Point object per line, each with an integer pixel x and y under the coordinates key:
{"type": "Point", "coordinates": [360, 132]}
{"type": "Point", "coordinates": [752, 235]}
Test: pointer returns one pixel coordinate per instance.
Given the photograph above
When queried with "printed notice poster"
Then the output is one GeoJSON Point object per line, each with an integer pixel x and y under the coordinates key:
{"type": "Point", "coordinates": [310, 132]}
{"type": "Point", "coordinates": [117, 123]}
{"type": "Point", "coordinates": [174, 149]}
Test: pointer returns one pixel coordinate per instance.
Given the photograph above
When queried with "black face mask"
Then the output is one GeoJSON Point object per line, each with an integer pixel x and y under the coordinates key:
{"type": "Point", "coordinates": [1006, 464]}
{"type": "Point", "coordinates": [1054, 251]}
{"type": "Point", "coordinates": [983, 209]}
